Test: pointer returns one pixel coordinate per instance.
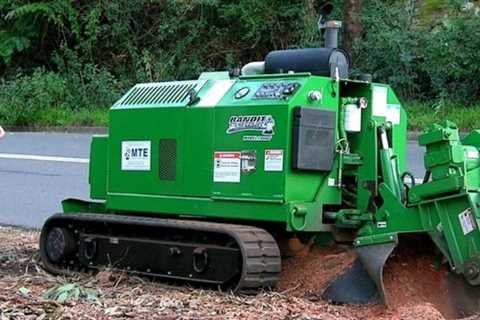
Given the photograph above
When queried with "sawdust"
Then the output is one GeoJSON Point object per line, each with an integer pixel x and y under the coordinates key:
{"type": "Point", "coordinates": [423, 311]}
{"type": "Point", "coordinates": [308, 274]}
{"type": "Point", "coordinates": [411, 278]}
{"type": "Point", "coordinates": [416, 283]}
{"type": "Point", "coordinates": [416, 287]}
{"type": "Point", "coordinates": [122, 296]}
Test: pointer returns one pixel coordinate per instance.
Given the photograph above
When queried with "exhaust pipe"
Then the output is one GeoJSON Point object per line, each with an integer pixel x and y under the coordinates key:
{"type": "Point", "coordinates": [253, 68]}
{"type": "Point", "coordinates": [331, 33]}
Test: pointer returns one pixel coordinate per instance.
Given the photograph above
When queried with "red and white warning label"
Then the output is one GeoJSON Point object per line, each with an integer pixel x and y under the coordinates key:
{"type": "Point", "coordinates": [273, 160]}
{"type": "Point", "coordinates": [226, 167]}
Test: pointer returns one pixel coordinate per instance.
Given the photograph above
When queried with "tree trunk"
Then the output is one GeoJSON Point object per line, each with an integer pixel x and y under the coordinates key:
{"type": "Point", "coordinates": [352, 23]}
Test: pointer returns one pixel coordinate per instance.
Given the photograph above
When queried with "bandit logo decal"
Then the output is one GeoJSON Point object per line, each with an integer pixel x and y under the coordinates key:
{"type": "Point", "coordinates": [263, 123]}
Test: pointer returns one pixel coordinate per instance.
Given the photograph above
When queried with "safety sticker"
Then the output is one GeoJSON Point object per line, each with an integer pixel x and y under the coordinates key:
{"type": "Point", "coordinates": [393, 113]}
{"type": "Point", "coordinates": [472, 154]}
{"type": "Point", "coordinates": [467, 221]}
{"type": "Point", "coordinates": [273, 160]}
{"type": "Point", "coordinates": [381, 108]}
{"type": "Point", "coordinates": [226, 167]}
{"type": "Point", "coordinates": [380, 96]}
{"type": "Point", "coordinates": [382, 224]}
{"type": "Point", "coordinates": [136, 155]}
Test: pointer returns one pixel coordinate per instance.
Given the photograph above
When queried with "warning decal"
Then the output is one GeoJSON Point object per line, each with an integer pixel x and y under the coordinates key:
{"type": "Point", "coordinates": [226, 167]}
{"type": "Point", "coordinates": [380, 96]}
{"type": "Point", "coordinates": [381, 108]}
{"type": "Point", "coordinates": [467, 221]}
{"type": "Point", "coordinates": [393, 113]}
{"type": "Point", "coordinates": [273, 160]}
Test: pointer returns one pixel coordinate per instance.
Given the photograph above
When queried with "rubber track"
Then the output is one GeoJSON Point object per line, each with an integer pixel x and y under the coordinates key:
{"type": "Point", "coordinates": [261, 255]}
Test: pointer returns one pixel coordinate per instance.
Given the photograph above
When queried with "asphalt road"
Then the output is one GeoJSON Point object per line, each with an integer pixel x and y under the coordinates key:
{"type": "Point", "coordinates": [31, 190]}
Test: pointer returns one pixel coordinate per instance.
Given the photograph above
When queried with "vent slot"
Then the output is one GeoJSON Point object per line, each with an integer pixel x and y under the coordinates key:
{"type": "Point", "coordinates": [164, 93]}
{"type": "Point", "coordinates": [167, 159]}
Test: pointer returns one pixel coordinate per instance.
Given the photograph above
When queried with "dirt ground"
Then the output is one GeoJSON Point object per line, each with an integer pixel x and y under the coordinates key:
{"type": "Point", "coordinates": [24, 291]}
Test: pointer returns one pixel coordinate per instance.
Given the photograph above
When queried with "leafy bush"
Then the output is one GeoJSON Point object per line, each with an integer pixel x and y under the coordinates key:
{"type": "Point", "coordinates": [87, 85]}
{"type": "Point", "coordinates": [423, 59]}
{"type": "Point", "coordinates": [23, 97]}
{"type": "Point", "coordinates": [30, 99]}
{"type": "Point", "coordinates": [388, 49]}
{"type": "Point", "coordinates": [451, 58]}
{"type": "Point", "coordinates": [62, 56]}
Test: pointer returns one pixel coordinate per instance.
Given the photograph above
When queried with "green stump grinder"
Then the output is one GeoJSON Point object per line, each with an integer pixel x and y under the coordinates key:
{"type": "Point", "coordinates": [199, 180]}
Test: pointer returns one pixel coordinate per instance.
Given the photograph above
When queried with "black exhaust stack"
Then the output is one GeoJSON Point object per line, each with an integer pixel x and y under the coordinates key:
{"type": "Point", "coordinates": [328, 61]}
{"type": "Point", "coordinates": [331, 33]}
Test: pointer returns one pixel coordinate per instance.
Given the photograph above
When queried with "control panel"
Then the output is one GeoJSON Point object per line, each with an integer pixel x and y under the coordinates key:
{"type": "Point", "coordinates": [276, 90]}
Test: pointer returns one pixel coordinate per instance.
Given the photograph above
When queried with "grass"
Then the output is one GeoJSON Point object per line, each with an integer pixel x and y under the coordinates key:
{"type": "Point", "coordinates": [59, 117]}
{"type": "Point", "coordinates": [421, 115]}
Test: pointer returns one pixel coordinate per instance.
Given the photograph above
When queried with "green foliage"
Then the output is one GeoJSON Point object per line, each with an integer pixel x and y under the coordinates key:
{"type": "Point", "coordinates": [24, 96]}
{"type": "Point", "coordinates": [453, 51]}
{"type": "Point", "coordinates": [435, 61]}
{"type": "Point", "coordinates": [421, 115]}
{"type": "Point", "coordinates": [63, 117]}
{"type": "Point", "coordinates": [161, 39]}
{"type": "Point", "coordinates": [389, 48]}
{"type": "Point", "coordinates": [64, 292]}
{"type": "Point", "coordinates": [62, 57]}
{"type": "Point", "coordinates": [25, 25]}
{"type": "Point", "coordinates": [28, 99]}
{"type": "Point", "coordinates": [88, 86]}
{"type": "Point", "coordinates": [11, 43]}
{"type": "Point", "coordinates": [24, 291]}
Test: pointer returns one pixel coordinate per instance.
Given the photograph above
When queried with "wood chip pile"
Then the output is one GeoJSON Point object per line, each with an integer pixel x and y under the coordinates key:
{"type": "Point", "coordinates": [28, 292]}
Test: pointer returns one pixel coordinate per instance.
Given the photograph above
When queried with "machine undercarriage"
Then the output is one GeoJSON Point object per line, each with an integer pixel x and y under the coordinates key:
{"type": "Point", "coordinates": [232, 257]}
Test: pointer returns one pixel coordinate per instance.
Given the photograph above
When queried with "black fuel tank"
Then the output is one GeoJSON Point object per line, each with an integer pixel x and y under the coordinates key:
{"type": "Point", "coordinates": [317, 61]}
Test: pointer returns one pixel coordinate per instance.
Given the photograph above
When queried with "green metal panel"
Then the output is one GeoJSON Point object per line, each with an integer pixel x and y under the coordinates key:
{"type": "Point", "coordinates": [288, 185]}
{"type": "Point", "coordinates": [199, 207]}
{"type": "Point", "coordinates": [98, 167]}
{"type": "Point", "coordinates": [197, 146]}
{"type": "Point", "coordinates": [257, 184]}
{"type": "Point", "coordinates": [150, 125]}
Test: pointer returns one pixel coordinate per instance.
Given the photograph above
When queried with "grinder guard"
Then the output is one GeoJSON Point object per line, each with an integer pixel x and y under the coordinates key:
{"type": "Point", "coordinates": [363, 282]}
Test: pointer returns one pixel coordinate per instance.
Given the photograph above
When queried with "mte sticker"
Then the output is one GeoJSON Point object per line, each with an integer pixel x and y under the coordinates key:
{"type": "Point", "coordinates": [226, 167]}
{"type": "Point", "coordinates": [273, 160]}
{"type": "Point", "coordinates": [136, 155]}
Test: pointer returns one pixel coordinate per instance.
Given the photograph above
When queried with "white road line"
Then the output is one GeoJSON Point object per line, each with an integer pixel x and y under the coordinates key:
{"type": "Point", "coordinates": [42, 158]}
